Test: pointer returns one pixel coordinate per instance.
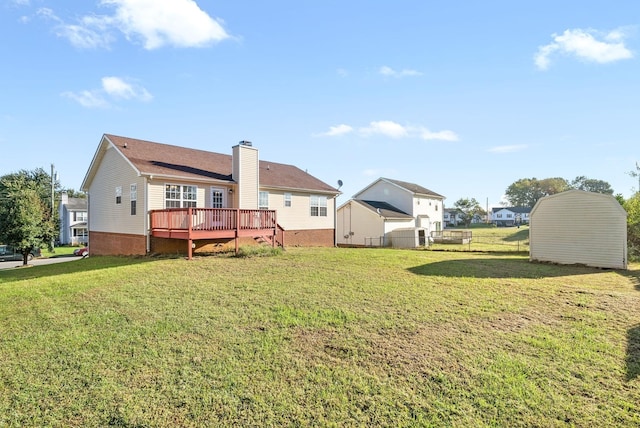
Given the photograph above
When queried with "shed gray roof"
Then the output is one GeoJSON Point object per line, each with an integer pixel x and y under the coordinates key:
{"type": "Point", "coordinates": [384, 209]}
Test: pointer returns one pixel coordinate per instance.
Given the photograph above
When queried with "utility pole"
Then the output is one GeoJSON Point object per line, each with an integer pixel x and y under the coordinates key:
{"type": "Point", "coordinates": [53, 203]}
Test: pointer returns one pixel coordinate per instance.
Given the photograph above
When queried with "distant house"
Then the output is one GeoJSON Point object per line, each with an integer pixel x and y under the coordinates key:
{"type": "Point", "coordinates": [454, 217]}
{"type": "Point", "coordinates": [73, 220]}
{"type": "Point", "coordinates": [510, 216]}
{"type": "Point", "coordinates": [578, 227]}
{"type": "Point", "coordinates": [146, 197]}
{"type": "Point", "coordinates": [370, 217]}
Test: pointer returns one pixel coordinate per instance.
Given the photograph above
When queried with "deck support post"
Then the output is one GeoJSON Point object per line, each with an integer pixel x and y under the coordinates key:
{"type": "Point", "coordinates": [237, 230]}
{"type": "Point", "coordinates": [189, 240]}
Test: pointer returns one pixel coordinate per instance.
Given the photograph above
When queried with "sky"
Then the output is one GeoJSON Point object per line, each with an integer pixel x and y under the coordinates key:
{"type": "Point", "coordinates": [461, 97]}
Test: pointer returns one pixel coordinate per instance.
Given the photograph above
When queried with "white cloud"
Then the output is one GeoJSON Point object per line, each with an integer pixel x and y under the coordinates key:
{"type": "Point", "coordinates": [584, 45]}
{"type": "Point", "coordinates": [391, 129]}
{"type": "Point", "coordinates": [445, 135]}
{"type": "Point", "coordinates": [335, 131]}
{"type": "Point", "coordinates": [155, 23]}
{"type": "Point", "coordinates": [119, 88]}
{"type": "Point", "coordinates": [385, 127]}
{"type": "Point", "coordinates": [174, 22]}
{"type": "Point", "coordinates": [508, 149]}
{"type": "Point", "coordinates": [113, 89]}
{"type": "Point", "coordinates": [89, 99]}
{"type": "Point", "coordinates": [388, 71]}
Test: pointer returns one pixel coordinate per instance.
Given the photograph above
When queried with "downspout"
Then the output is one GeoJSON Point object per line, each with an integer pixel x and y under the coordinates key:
{"type": "Point", "coordinates": [146, 214]}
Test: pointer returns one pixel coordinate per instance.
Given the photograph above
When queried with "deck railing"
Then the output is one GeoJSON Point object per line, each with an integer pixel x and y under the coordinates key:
{"type": "Point", "coordinates": [203, 219]}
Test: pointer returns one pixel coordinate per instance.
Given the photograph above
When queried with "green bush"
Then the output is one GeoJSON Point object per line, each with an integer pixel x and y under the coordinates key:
{"type": "Point", "coordinates": [632, 206]}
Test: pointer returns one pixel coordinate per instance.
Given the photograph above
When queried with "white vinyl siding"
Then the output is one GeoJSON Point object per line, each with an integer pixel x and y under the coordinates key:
{"type": "Point", "coordinates": [113, 172]}
{"type": "Point", "coordinates": [245, 173]}
{"type": "Point", "coordinates": [156, 199]}
{"type": "Point", "coordinates": [297, 217]}
{"type": "Point", "coordinates": [577, 227]}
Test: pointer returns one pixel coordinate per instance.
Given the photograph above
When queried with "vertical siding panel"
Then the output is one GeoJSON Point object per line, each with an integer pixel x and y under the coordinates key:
{"type": "Point", "coordinates": [112, 172]}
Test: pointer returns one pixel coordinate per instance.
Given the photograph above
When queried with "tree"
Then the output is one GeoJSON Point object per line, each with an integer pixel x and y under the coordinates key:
{"type": "Point", "coordinates": [468, 209]}
{"type": "Point", "coordinates": [636, 174]}
{"type": "Point", "coordinates": [27, 220]}
{"type": "Point", "coordinates": [632, 206]}
{"type": "Point", "coordinates": [526, 191]}
{"type": "Point", "coordinates": [72, 193]}
{"type": "Point", "coordinates": [591, 185]}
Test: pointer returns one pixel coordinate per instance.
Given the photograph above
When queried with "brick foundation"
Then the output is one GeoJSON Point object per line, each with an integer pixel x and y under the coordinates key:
{"type": "Point", "coordinates": [103, 243]}
{"type": "Point", "coordinates": [116, 244]}
{"type": "Point", "coordinates": [309, 238]}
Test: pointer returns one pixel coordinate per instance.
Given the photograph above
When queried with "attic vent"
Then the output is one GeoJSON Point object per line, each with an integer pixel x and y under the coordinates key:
{"type": "Point", "coordinates": [246, 143]}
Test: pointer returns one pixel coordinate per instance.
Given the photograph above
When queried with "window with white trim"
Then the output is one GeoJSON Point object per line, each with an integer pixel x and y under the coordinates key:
{"type": "Point", "coordinates": [180, 196]}
{"type": "Point", "coordinates": [119, 195]}
{"type": "Point", "coordinates": [79, 216]}
{"type": "Point", "coordinates": [263, 200]}
{"type": "Point", "coordinates": [287, 199]}
{"type": "Point", "coordinates": [318, 206]}
{"type": "Point", "coordinates": [133, 193]}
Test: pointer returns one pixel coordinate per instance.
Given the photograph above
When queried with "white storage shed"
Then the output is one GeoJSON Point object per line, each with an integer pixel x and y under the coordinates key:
{"type": "Point", "coordinates": [409, 237]}
{"type": "Point", "coordinates": [578, 227]}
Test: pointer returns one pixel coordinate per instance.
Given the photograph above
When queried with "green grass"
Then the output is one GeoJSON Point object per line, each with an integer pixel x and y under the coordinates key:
{"type": "Point", "coordinates": [58, 251]}
{"type": "Point", "coordinates": [490, 238]}
{"type": "Point", "coordinates": [320, 337]}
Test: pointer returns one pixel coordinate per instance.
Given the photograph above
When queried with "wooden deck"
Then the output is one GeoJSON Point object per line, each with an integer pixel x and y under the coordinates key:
{"type": "Point", "coordinates": [215, 223]}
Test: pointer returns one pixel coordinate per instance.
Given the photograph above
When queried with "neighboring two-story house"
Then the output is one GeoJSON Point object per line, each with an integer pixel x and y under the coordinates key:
{"type": "Point", "coordinates": [73, 220]}
{"type": "Point", "coordinates": [370, 217]}
{"type": "Point", "coordinates": [146, 197]}
{"type": "Point", "coordinates": [510, 216]}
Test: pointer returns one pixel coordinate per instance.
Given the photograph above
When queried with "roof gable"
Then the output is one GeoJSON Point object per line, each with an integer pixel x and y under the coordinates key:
{"type": "Point", "coordinates": [409, 187]}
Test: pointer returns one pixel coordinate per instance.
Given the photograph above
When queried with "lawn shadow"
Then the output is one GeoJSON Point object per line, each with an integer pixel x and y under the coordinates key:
{"type": "Point", "coordinates": [633, 352]}
{"type": "Point", "coordinates": [520, 235]}
{"type": "Point", "coordinates": [499, 268]}
{"type": "Point", "coordinates": [94, 263]}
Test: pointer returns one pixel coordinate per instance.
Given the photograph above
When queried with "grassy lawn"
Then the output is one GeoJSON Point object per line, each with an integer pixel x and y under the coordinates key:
{"type": "Point", "coordinates": [320, 337]}
{"type": "Point", "coordinates": [490, 238]}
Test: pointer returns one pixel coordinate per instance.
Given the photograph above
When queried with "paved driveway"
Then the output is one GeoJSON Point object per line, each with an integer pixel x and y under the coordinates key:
{"type": "Point", "coordinates": [38, 262]}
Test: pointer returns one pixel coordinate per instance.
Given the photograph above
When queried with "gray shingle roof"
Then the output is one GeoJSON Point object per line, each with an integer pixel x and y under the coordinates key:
{"type": "Point", "coordinates": [414, 188]}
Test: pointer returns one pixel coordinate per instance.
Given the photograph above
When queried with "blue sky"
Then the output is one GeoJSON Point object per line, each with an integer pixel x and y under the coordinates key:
{"type": "Point", "coordinates": [461, 97]}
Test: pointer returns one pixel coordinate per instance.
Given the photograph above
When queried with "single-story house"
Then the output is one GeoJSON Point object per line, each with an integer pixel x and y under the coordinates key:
{"type": "Point", "coordinates": [578, 227]}
{"type": "Point", "coordinates": [147, 197]}
{"type": "Point", "coordinates": [384, 206]}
